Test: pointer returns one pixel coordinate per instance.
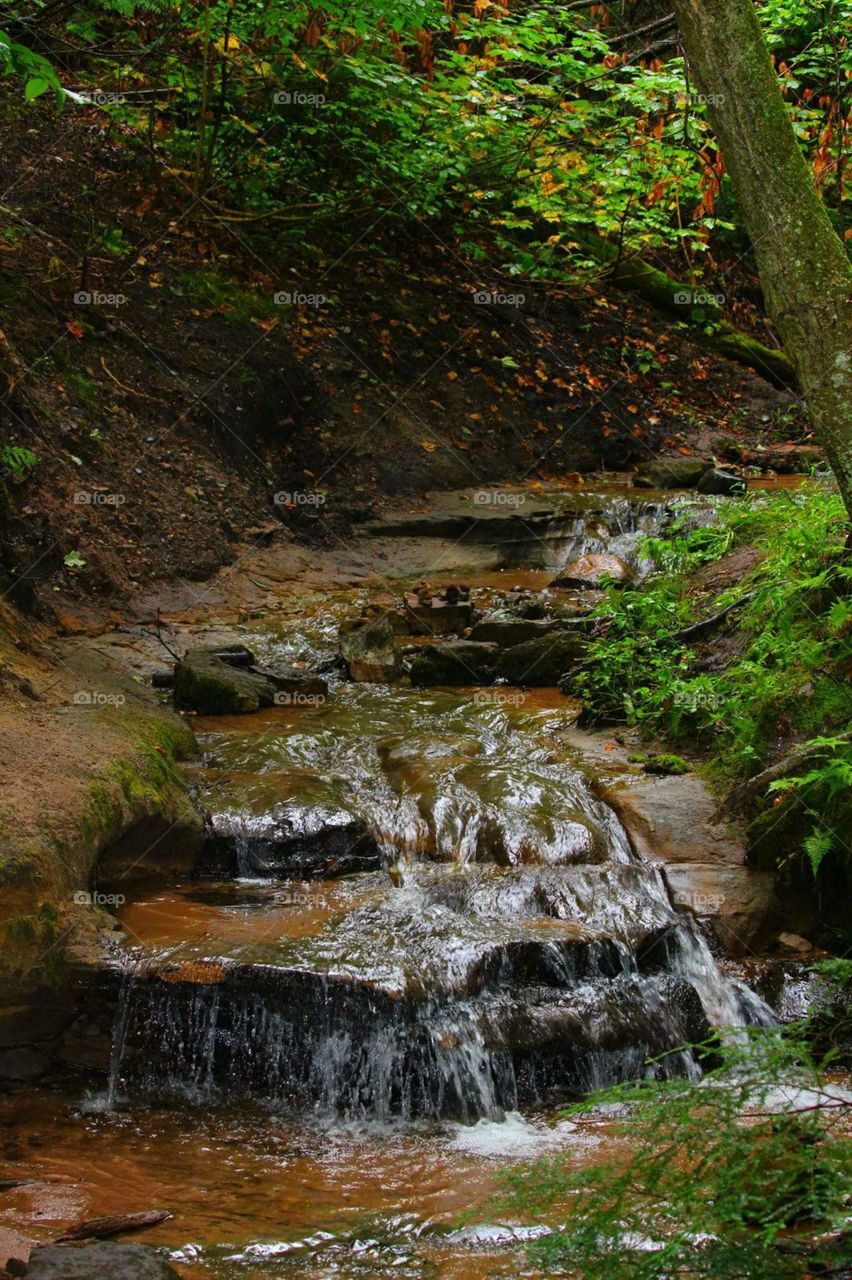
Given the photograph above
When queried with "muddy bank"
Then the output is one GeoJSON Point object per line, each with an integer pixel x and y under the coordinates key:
{"type": "Point", "coordinates": [199, 414]}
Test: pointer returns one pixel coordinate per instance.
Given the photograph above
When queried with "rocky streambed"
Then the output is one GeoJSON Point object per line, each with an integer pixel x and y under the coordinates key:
{"type": "Point", "coordinates": [425, 911]}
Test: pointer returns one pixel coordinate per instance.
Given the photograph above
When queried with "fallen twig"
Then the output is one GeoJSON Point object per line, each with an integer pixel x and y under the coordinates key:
{"type": "Point", "coordinates": [113, 1224]}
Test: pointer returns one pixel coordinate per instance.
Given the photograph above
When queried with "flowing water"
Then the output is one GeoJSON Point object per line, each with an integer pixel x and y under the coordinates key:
{"type": "Point", "coordinates": [416, 931]}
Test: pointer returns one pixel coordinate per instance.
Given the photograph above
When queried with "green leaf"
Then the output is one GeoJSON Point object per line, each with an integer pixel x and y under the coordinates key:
{"type": "Point", "coordinates": [35, 87]}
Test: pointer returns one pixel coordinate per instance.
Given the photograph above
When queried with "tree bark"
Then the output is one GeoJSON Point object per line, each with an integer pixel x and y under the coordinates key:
{"type": "Point", "coordinates": [805, 272]}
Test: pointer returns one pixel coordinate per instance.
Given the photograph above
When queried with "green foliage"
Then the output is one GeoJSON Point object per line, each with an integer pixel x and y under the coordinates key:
{"type": "Point", "coordinates": [528, 129]}
{"type": "Point", "coordinates": [738, 1177]}
{"type": "Point", "coordinates": [787, 652]}
{"type": "Point", "coordinates": [822, 792]}
{"type": "Point", "coordinates": [36, 71]}
{"type": "Point", "coordinates": [18, 460]}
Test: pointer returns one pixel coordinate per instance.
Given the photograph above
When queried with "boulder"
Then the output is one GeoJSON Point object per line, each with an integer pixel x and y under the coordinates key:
{"type": "Point", "coordinates": [295, 686]}
{"type": "Point", "coordinates": [459, 662]}
{"type": "Point", "coordinates": [541, 661]}
{"type": "Point", "coordinates": [592, 570]}
{"type": "Point", "coordinates": [507, 632]}
{"type": "Point", "coordinates": [98, 1260]}
{"type": "Point", "coordinates": [739, 904]}
{"type": "Point", "coordinates": [670, 473]}
{"type": "Point", "coordinates": [210, 685]}
{"type": "Point", "coordinates": [439, 617]}
{"type": "Point", "coordinates": [370, 649]}
{"type": "Point", "coordinates": [225, 681]}
{"type": "Point", "coordinates": [724, 483]}
{"type": "Point", "coordinates": [671, 820]}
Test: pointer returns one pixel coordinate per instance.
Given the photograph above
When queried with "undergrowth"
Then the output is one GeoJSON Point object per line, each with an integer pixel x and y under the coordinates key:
{"type": "Point", "coordinates": [771, 675]}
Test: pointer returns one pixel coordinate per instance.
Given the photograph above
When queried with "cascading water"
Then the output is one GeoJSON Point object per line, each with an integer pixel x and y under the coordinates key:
{"type": "Point", "coordinates": [520, 951]}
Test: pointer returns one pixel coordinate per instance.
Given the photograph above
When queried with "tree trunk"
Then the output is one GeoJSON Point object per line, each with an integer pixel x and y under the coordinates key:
{"type": "Point", "coordinates": [804, 270]}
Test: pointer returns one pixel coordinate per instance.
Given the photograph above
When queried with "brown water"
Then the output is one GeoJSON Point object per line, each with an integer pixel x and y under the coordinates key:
{"type": "Point", "coordinates": [256, 1195]}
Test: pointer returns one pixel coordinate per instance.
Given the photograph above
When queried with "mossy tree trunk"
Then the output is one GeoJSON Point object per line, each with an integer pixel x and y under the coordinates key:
{"type": "Point", "coordinates": [805, 272]}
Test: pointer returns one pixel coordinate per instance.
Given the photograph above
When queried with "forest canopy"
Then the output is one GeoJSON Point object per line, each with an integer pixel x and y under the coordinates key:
{"type": "Point", "coordinates": [527, 131]}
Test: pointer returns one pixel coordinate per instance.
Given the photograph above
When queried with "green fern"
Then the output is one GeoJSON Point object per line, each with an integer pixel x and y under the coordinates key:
{"type": "Point", "coordinates": [17, 459]}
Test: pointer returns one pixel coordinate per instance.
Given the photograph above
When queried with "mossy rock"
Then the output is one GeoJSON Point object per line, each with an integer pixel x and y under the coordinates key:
{"type": "Point", "coordinates": [462, 662]}
{"type": "Point", "coordinates": [666, 765]}
{"type": "Point", "coordinates": [207, 684]}
{"type": "Point", "coordinates": [671, 473]}
{"type": "Point", "coordinates": [542, 661]}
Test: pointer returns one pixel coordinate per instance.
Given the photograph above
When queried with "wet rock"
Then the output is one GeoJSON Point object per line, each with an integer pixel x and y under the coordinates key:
{"type": "Point", "coordinates": [670, 820]}
{"type": "Point", "coordinates": [296, 686]}
{"type": "Point", "coordinates": [738, 904]}
{"type": "Point", "coordinates": [439, 618]}
{"type": "Point", "coordinates": [542, 661]}
{"type": "Point", "coordinates": [721, 482]}
{"type": "Point", "coordinates": [97, 1262]}
{"type": "Point", "coordinates": [331, 664]}
{"type": "Point", "coordinates": [211, 685]}
{"type": "Point", "coordinates": [341, 846]}
{"type": "Point", "coordinates": [507, 632]}
{"type": "Point", "coordinates": [794, 942]}
{"type": "Point", "coordinates": [670, 473]}
{"type": "Point", "coordinates": [460, 662]}
{"type": "Point", "coordinates": [370, 649]}
{"type": "Point", "coordinates": [592, 570]}
{"type": "Point", "coordinates": [302, 825]}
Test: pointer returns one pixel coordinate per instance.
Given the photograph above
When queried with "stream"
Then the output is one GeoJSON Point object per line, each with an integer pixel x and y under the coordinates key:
{"type": "Point", "coordinates": [416, 932]}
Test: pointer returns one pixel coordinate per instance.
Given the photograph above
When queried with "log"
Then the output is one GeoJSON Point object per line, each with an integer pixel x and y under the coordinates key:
{"type": "Point", "coordinates": [113, 1224]}
{"type": "Point", "coordinates": [633, 275]}
{"type": "Point", "coordinates": [786, 767]}
{"type": "Point", "coordinates": [697, 631]}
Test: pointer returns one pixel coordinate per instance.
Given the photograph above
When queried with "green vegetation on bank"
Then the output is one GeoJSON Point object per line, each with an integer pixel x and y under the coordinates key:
{"type": "Point", "coordinates": [768, 680]}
